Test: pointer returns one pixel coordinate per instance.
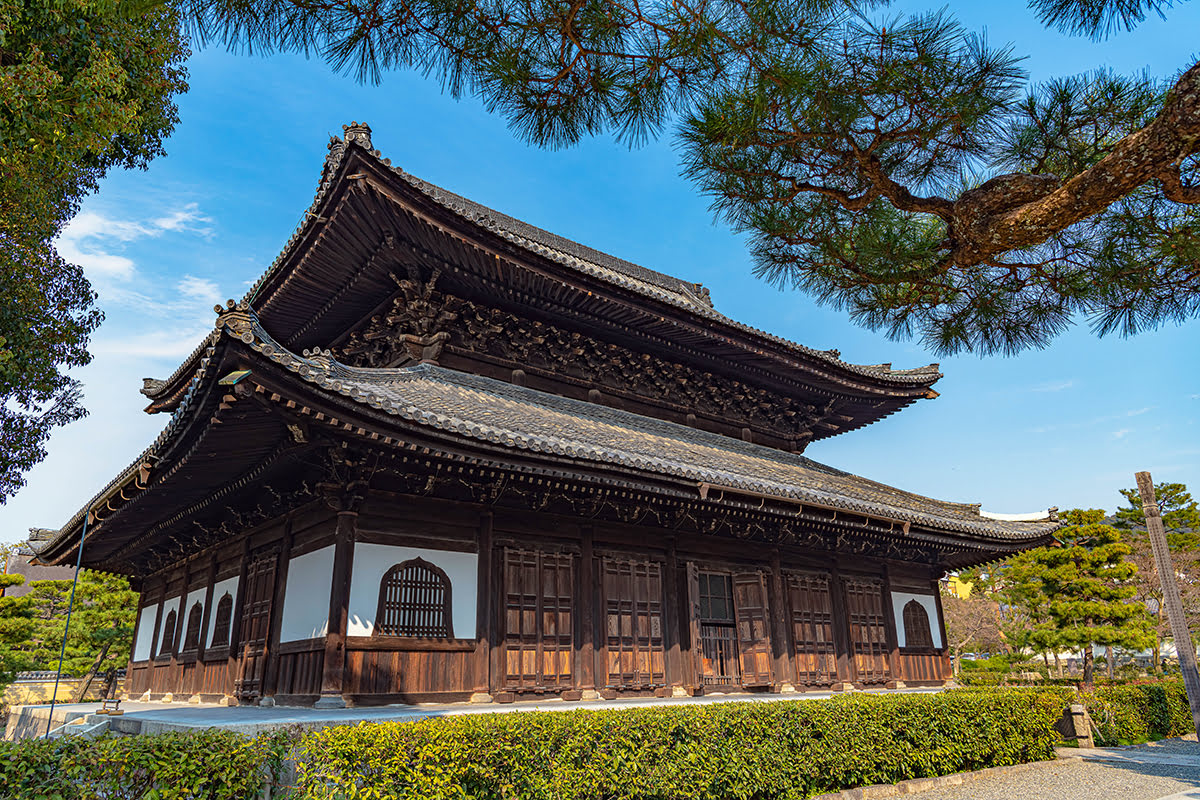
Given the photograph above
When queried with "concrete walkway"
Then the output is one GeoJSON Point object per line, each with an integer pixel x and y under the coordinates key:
{"type": "Point", "coordinates": [1167, 770]}
{"type": "Point", "coordinates": [27, 721]}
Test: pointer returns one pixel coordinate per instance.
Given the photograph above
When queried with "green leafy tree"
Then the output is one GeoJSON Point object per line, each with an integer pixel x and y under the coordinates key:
{"type": "Point", "coordinates": [1086, 582]}
{"type": "Point", "coordinates": [16, 626]}
{"type": "Point", "coordinates": [101, 623]}
{"type": "Point", "coordinates": [1180, 514]}
{"type": "Point", "coordinates": [900, 168]}
{"type": "Point", "coordinates": [85, 86]}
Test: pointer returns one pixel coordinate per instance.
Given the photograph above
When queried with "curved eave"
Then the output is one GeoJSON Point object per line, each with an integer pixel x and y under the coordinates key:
{"type": "Point", "coordinates": [353, 169]}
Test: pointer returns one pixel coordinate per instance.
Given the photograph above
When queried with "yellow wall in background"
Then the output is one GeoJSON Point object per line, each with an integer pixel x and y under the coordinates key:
{"type": "Point", "coordinates": [28, 693]}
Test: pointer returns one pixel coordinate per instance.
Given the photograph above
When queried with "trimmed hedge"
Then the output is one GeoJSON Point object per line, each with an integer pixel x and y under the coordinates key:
{"type": "Point", "coordinates": [1138, 712]}
{"type": "Point", "coordinates": [207, 765]}
{"type": "Point", "coordinates": [726, 750]}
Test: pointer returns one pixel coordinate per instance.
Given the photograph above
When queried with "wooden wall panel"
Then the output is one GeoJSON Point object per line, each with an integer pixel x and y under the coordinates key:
{"type": "Point", "coordinates": [927, 667]}
{"type": "Point", "coordinates": [632, 632]}
{"type": "Point", "coordinates": [408, 672]}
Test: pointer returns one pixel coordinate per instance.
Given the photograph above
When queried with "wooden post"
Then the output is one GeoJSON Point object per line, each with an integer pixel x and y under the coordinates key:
{"type": "Point", "coordinates": [672, 621]}
{"type": "Point", "coordinates": [782, 648]}
{"type": "Point", "coordinates": [896, 677]}
{"type": "Point", "coordinates": [1166, 574]}
{"type": "Point", "coordinates": [842, 644]}
{"type": "Point", "coordinates": [946, 669]}
{"type": "Point", "coordinates": [333, 675]}
{"type": "Point", "coordinates": [496, 664]}
{"type": "Point", "coordinates": [695, 664]}
{"type": "Point", "coordinates": [483, 612]}
{"type": "Point", "coordinates": [585, 637]}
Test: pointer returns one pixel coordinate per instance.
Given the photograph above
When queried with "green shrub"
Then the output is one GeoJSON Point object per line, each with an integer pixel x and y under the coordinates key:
{"type": "Point", "coordinates": [206, 765]}
{"type": "Point", "coordinates": [1138, 712]}
{"type": "Point", "coordinates": [726, 750]}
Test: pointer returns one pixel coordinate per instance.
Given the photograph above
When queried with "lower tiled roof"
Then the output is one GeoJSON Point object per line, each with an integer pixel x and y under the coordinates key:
{"type": "Point", "coordinates": [493, 411]}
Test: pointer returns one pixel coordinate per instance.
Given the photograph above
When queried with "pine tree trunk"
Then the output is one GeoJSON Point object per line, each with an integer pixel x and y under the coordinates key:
{"type": "Point", "coordinates": [1058, 664]}
{"type": "Point", "coordinates": [1109, 658]}
{"type": "Point", "coordinates": [1088, 667]}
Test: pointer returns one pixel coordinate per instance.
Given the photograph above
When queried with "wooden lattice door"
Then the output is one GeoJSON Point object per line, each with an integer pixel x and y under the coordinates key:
{"type": "Point", "coordinates": [258, 592]}
{"type": "Point", "coordinates": [754, 641]}
{"type": "Point", "coordinates": [717, 631]}
{"type": "Point", "coordinates": [868, 630]}
{"type": "Point", "coordinates": [811, 606]}
{"type": "Point", "coordinates": [635, 654]}
{"type": "Point", "coordinates": [538, 634]}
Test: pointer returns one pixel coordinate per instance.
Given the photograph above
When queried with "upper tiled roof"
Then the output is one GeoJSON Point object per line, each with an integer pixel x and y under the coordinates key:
{"type": "Point", "coordinates": [692, 297]}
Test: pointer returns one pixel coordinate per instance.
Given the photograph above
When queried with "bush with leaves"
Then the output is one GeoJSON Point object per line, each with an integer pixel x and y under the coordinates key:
{"type": "Point", "coordinates": [765, 750]}
{"type": "Point", "coordinates": [205, 765]}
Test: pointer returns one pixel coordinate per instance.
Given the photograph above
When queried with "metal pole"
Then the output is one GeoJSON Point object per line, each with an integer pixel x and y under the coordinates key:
{"type": "Point", "coordinates": [1166, 574]}
{"type": "Point", "coordinates": [67, 628]}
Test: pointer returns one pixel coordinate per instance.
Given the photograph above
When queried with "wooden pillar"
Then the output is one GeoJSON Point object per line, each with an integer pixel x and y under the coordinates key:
{"type": "Point", "coordinates": [333, 674]}
{"type": "Point", "coordinates": [496, 666]}
{"type": "Point", "coordinates": [158, 612]}
{"type": "Point", "coordinates": [691, 606]}
{"type": "Point", "coordinates": [946, 669]}
{"type": "Point", "coordinates": [271, 675]}
{"type": "Point", "coordinates": [671, 619]}
{"type": "Point", "coordinates": [782, 648]}
{"type": "Point", "coordinates": [841, 628]}
{"type": "Point", "coordinates": [483, 612]}
{"type": "Point", "coordinates": [586, 650]}
{"type": "Point", "coordinates": [896, 678]}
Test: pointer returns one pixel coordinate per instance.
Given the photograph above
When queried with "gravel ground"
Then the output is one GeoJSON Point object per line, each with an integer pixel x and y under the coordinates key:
{"type": "Point", "coordinates": [1076, 779]}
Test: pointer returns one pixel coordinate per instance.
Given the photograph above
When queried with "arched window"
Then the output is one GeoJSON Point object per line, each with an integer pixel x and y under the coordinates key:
{"type": "Point", "coordinates": [166, 645]}
{"type": "Point", "coordinates": [916, 625]}
{"type": "Point", "coordinates": [191, 637]}
{"type": "Point", "coordinates": [414, 600]}
{"type": "Point", "coordinates": [220, 632]}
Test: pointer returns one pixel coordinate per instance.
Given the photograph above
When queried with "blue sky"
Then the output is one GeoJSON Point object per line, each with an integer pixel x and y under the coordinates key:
{"type": "Point", "coordinates": [1066, 426]}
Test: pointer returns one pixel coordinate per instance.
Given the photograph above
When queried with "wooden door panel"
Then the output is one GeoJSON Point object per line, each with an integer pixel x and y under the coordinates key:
{"type": "Point", "coordinates": [811, 606]}
{"type": "Point", "coordinates": [753, 627]}
{"type": "Point", "coordinates": [538, 635]}
{"type": "Point", "coordinates": [256, 623]}
{"type": "Point", "coordinates": [632, 597]}
{"type": "Point", "coordinates": [868, 630]}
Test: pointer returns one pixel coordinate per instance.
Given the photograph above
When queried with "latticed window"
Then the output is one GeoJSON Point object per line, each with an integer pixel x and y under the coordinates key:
{"type": "Point", "coordinates": [916, 626]}
{"type": "Point", "coordinates": [220, 633]}
{"type": "Point", "coordinates": [414, 600]}
{"type": "Point", "coordinates": [191, 637]}
{"type": "Point", "coordinates": [167, 645]}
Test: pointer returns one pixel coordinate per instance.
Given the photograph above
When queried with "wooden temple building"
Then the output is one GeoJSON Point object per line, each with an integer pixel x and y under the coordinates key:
{"type": "Point", "coordinates": [438, 454]}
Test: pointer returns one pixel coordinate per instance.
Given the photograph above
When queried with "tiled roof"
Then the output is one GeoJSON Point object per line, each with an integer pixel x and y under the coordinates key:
{"type": "Point", "coordinates": [476, 407]}
{"type": "Point", "coordinates": [682, 294]}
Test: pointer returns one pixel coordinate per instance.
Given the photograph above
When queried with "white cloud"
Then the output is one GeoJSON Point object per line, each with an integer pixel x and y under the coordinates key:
{"type": "Point", "coordinates": [1053, 386]}
{"type": "Point", "coordinates": [94, 241]}
{"type": "Point", "coordinates": [1122, 433]}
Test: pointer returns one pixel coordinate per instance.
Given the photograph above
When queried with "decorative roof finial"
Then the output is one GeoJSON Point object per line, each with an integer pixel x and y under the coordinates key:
{"type": "Point", "coordinates": [358, 133]}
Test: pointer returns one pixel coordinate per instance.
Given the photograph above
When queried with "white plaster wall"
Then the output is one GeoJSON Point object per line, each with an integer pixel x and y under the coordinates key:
{"type": "Point", "coordinates": [371, 561]}
{"type": "Point", "coordinates": [171, 605]}
{"type": "Point", "coordinates": [306, 596]}
{"type": "Point", "coordinates": [228, 585]}
{"type": "Point", "coordinates": [929, 602]}
{"type": "Point", "coordinates": [144, 633]}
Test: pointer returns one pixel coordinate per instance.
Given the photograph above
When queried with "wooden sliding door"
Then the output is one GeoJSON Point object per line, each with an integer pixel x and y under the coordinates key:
{"type": "Point", "coordinates": [257, 594]}
{"type": "Point", "coordinates": [811, 607]}
{"type": "Point", "coordinates": [634, 647]}
{"type": "Point", "coordinates": [538, 635]}
{"type": "Point", "coordinates": [868, 630]}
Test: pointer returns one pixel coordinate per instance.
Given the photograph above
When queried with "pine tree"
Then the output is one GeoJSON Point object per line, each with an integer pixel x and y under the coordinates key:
{"type": "Point", "coordinates": [1087, 581]}
{"type": "Point", "coordinates": [898, 167]}
{"type": "Point", "coordinates": [16, 626]}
